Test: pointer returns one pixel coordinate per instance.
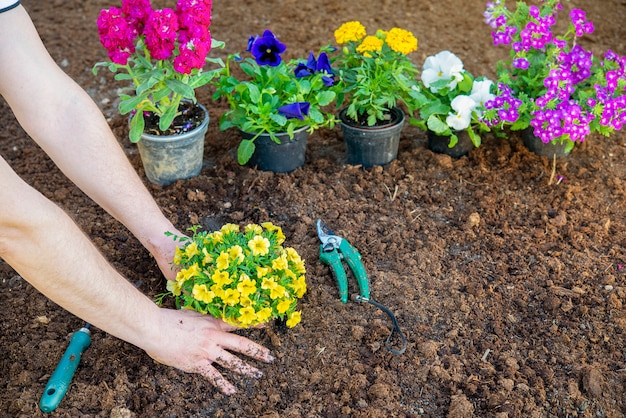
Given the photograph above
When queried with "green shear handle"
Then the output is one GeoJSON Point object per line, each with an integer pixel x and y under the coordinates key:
{"type": "Point", "coordinates": [333, 250]}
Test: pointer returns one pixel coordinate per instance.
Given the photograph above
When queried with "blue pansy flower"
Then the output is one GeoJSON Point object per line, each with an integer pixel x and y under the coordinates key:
{"type": "Point", "coordinates": [295, 110]}
{"type": "Point", "coordinates": [266, 49]}
{"type": "Point", "coordinates": [312, 66]}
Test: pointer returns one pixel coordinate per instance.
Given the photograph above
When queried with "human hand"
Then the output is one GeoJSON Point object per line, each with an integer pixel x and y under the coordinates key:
{"type": "Point", "coordinates": [192, 342]}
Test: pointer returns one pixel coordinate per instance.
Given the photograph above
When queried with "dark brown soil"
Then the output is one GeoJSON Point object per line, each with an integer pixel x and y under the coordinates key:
{"type": "Point", "coordinates": [509, 287]}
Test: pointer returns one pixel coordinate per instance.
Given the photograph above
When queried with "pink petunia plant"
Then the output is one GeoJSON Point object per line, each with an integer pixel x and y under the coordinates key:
{"type": "Point", "coordinates": [162, 52]}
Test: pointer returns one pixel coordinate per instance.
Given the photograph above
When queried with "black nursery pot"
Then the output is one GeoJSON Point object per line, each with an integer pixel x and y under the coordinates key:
{"type": "Point", "coordinates": [278, 158]}
{"type": "Point", "coordinates": [536, 145]}
{"type": "Point", "coordinates": [439, 144]}
{"type": "Point", "coordinates": [372, 145]}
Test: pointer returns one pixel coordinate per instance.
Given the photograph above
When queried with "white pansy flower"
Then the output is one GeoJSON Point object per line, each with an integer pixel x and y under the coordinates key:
{"type": "Point", "coordinates": [481, 94]}
{"type": "Point", "coordinates": [443, 66]}
{"type": "Point", "coordinates": [464, 106]}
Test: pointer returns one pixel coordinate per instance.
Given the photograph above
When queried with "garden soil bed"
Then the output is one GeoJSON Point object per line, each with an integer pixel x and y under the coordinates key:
{"type": "Point", "coordinates": [509, 287]}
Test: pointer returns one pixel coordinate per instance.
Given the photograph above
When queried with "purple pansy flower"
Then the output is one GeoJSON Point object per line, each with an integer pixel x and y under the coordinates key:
{"type": "Point", "coordinates": [266, 49]}
{"type": "Point", "coordinates": [295, 110]}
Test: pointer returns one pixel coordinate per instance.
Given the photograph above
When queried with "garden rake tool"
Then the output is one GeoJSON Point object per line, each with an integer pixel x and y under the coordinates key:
{"type": "Point", "coordinates": [335, 249]}
{"type": "Point", "coordinates": [60, 380]}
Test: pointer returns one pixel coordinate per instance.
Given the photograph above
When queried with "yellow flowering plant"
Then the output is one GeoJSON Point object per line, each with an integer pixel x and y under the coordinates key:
{"type": "Point", "coordinates": [375, 72]}
{"type": "Point", "coordinates": [244, 277]}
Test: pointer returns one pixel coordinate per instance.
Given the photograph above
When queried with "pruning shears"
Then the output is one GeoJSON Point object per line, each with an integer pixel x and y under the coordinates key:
{"type": "Point", "coordinates": [333, 250]}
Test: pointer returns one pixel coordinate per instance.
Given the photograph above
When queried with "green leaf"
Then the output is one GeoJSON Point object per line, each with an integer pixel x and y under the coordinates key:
{"type": "Point", "coordinates": [245, 151]}
{"type": "Point", "coordinates": [180, 88]}
{"type": "Point", "coordinates": [474, 137]}
{"type": "Point", "coordinates": [136, 127]}
{"type": "Point", "coordinates": [166, 119]}
{"type": "Point", "coordinates": [132, 103]}
{"type": "Point", "coordinates": [437, 126]}
{"type": "Point", "coordinates": [325, 98]}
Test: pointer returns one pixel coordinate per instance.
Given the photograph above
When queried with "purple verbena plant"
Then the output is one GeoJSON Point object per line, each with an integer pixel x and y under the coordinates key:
{"type": "Point", "coordinates": [551, 83]}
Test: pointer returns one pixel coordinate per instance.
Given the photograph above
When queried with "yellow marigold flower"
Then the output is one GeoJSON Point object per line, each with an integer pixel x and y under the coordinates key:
{"type": "Point", "coordinates": [350, 31]}
{"type": "Point", "coordinates": [178, 256]}
{"type": "Point", "coordinates": [299, 286]}
{"type": "Point", "coordinates": [201, 293]}
{"type": "Point", "coordinates": [247, 315]}
{"type": "Point", "coordinates": [246, 286]}
{"type": "Point", "coordinates": [401, 40]}
{"type": "Point", "coordinates": [283, 305]}
{"type": "Point", "coordinates": [236, 253]}
{"type": "Point", "coordinates": [277, 292]}
{"type": "Point", "coordinates": [226, 228]}
{"type": "Point", "coordinates": [231, 297]}
{"type": "Point", "coordinates": [208, 258]}
{"type": "Point", "coordinates": [186, 274]}
{"type": "Point", "coordinates": [263, 315]}
{"type": "Point", "coordinates": [174, 287]}
{"type": "Point", "coordinates": [280, 263]}
{"type": "Point", "coordinates": [221, 278]}
{"type": "Point", "coordinates": [192, 250]}
{"type": "Point", "coordinates": [259, 245]}
{"type": "Point", "coordinates": [262, 271]}
{"type": "Point", "coordinates": [254, 228]}
{"type": "Point", "coordinates": [294, 319]}
{"type": "Point", "coordinates": [370, 44]}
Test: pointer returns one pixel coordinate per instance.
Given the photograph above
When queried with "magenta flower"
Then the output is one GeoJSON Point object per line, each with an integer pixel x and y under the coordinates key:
{"type": "Point", "coordinates": [116, 35]}
{"type": "Point", "coordinates": [136, 13]}
{"type": "Point", "coordinates": [161, 33]}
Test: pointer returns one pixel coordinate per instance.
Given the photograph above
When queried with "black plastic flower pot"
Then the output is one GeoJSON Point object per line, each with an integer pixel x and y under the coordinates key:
{"type": "Point", "coordinates": [278, 158]}
{"type": "Point", "coordinates": [440, 144]}
{"type": "Point", "coordinates": [536, 145]}
{"type": "Point", "coordinates": [372, 145]}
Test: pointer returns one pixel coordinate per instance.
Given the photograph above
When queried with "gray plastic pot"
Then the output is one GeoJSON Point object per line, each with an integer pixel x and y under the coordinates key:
{"type": "Point", "coordinates": [167, 159]}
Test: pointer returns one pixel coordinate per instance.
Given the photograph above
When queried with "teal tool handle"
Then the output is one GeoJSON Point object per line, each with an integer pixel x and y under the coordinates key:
{"type": "Point", "coordinates": [60, 380]}
{"type": "Point", "coordinates": [333, 260]}
{"type": "Point", "coordinates": [353, 258]}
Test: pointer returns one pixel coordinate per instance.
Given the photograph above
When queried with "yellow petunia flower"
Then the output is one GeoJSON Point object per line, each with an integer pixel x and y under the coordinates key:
{"type": "Point", "coordinates": [222, 261]}
{"type": "Point", "coordinates": [277, 292]}
{"type": "Point", "coordinates": [246, 286]}
{"type": "Point", "coordinates": [178, 256]}
{"type": "Point", "coordinates": [283, 305]}
{"type": "Point", "coordinates": [247, 316]}
{"type": "Point", "coordinates": [401, 40]}
{"type": "Point", "coordinates": [280, 263]}
{"type": "Point", "coordinates": [263, 315]}
{"type": "Point", "coordinates": [299, 267]}
{"type": "Point", "coordinates": [226, 228]}
{"type": "Point", "coordinates": [370, 44]}
{"type": "Point", "coordinates": [350, 32]}
{"type": "Point", "coordinates": [292, 255]}
{"type": "Point", "coordinates": [208, 258]}
{"type": "Point", "coordinates": [253, 228]}
{"type": "Point", "coordinates": [259, 245]}
{"type": "Point", "coordinates": [201, 293]}
{"type": "Point", "coordinates": [221, 278]}
{"type": "Point", "coordinates": [294, 319]}
{"type": "Point", "coordinates": [192, 250]}
{"type": "Point", "coordinates": [299, 286]}
{"type": "Point", "coordinates": [218, 290]}
{"type": "Point", "coordinates": [174, 287]}
{"type": "Point", "coordinates": [231, 297]}
{"type": "Point", "coordinates": [186, 274]}
{"type": "Point", "coordinates": [236, 253]}
{"type": "Point", "coordinates": [262, 271]}
{"type": "Point", "coordinates": [268, 283]}
{"type": "Point", "coordinates": [216, 237]}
